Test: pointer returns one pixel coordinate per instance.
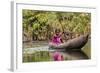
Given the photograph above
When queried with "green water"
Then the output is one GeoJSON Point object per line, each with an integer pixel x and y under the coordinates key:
{"type": "Point", "coordinates": [42, 56]}
{"type": "Point", "coordinates": [37, 57]}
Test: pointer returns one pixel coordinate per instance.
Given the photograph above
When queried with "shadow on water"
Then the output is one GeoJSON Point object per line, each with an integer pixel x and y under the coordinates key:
{"type": "Point", "coordinates": [75, 55]}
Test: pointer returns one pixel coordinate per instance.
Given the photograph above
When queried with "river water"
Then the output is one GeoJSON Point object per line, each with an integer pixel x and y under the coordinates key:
{"type": "Point", "coordinates": [84, 53]}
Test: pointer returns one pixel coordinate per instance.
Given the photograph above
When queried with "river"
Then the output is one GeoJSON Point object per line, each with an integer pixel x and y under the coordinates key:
{"type": "Point", "coordinates": [84, 53]}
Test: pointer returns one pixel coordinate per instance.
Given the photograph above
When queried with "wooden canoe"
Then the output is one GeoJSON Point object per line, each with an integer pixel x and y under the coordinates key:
{"type": "Point", "coordinates": [76, 43]}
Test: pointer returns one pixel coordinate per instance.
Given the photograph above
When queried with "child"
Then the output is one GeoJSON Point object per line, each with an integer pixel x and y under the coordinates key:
{"type": "Point", "coordinates": [56, 39]}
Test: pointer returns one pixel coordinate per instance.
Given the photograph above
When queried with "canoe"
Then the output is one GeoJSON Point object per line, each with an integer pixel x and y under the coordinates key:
{"type": "Point", "coordinates": [75, 43]}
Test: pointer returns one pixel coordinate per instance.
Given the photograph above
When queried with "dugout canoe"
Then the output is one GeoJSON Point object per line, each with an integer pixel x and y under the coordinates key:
{"type": "Point", "coordinates": [75, 43]}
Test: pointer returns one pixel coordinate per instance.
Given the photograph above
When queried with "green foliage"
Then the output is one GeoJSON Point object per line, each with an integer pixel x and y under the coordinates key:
{"type": "Point", "coordinates": [40, 25]}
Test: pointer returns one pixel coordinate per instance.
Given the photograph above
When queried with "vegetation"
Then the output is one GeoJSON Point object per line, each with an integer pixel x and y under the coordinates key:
{"type": "Point", "coordinates": [40, 25]}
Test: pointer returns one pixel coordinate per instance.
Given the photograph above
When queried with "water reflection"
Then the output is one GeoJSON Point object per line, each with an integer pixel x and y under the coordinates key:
{"type": "Point", "coordinates": [84, 53]}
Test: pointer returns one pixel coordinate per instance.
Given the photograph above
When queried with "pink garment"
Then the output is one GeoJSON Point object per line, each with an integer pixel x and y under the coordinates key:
{"type": "Point", "coordinates": [56, 40]}
{"type": "Point", "coordinates": [58, 57]}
